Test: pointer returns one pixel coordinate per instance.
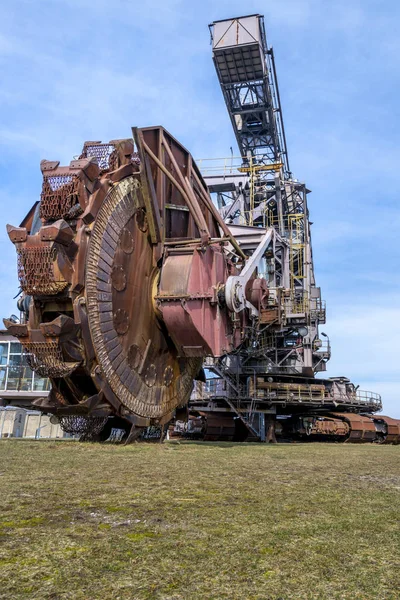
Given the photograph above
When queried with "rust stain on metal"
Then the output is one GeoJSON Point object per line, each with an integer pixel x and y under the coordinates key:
{"type": "Point", "coordinates": [134, 356]}
{"type": "Point", "coordinates": [151, 375]}
{"type": "Point", "coordinates": [121, 321]}
{"type": "Point", "coordinates": [126, 241]}
{"type": "Point", "coordinates": [168, 375]}
{"type": "Point", "coordinates": [118, 278]}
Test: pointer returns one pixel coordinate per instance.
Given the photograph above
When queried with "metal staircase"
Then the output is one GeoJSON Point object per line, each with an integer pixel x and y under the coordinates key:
{"type": "Point", "coordinates": [234, 400]}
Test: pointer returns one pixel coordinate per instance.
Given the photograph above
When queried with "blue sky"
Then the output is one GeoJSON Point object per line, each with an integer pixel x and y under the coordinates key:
{"type": "Point", "coordinates": [75, 70]}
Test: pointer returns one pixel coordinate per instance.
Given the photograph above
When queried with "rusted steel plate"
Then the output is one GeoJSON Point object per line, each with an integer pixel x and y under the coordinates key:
{"type": "Point", "coordinates": [362, 429]}
{"type": "Point", "coordinates": [220, 427]}
{"type": "Point", "coordinates": [392, 429]}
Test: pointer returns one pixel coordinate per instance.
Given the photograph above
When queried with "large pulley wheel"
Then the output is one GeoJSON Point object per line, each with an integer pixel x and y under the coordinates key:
{"type": "Point", "coordinates": [133, 350]}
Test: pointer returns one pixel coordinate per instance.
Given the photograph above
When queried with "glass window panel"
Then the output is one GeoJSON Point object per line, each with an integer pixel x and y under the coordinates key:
{"type": "Point", "coordinates": [3, 378]}
{"type": "Point", "coordinates": [25, 360]}
{"type": "Point", "coordinates": [25, 383]}
{"type": "Point", "coordinates": [15, 348]}
{"type": "Point", "coordinates": [3, 353]}
{"type": "Point", "coordinates": [14, 375]}
{"type": "Point", "coordinates": [14, 360]}
{"type": "Point", "coordinates": [19, 379]}
{"type": "Point", "coordinates": [41, 384]}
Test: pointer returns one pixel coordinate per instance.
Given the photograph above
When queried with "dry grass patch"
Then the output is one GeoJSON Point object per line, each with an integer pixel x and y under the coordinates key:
{"type": "Point", "coordinates": [199, 521]}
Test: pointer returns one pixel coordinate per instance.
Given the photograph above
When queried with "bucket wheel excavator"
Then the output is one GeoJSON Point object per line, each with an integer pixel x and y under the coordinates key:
{"type": "Point", "coordinates": [123, 266]}
{"type": "Point", "coordinates": [135, 285]}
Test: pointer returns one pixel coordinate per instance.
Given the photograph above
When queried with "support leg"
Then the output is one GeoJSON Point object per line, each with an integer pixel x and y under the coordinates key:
{"type": "Point", "coordinates": [164, 431]}
{"type": "Point", "coordinates": [270, 426]}
{"type": "Point", "coordinates": [133, 434]}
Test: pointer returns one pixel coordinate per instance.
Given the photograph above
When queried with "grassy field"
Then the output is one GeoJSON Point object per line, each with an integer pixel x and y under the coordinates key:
{"type": "Point", "coordinates": [199, 521]}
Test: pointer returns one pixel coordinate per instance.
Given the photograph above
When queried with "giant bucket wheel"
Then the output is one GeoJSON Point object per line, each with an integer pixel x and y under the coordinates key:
{"type": "Point", "coordinates": [133, 348]}
{"type": "Point", "coordinates": [122, 265]}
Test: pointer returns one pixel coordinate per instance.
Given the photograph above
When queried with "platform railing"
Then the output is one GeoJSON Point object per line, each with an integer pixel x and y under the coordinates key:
{"type": "Point", "coordinates": [216, 388]}
{"type": "Point", "coordinates": [234, 165]}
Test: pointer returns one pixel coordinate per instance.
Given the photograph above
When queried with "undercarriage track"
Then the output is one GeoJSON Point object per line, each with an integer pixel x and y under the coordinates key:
{"type": "Point", "coordinates": [334, 427]}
